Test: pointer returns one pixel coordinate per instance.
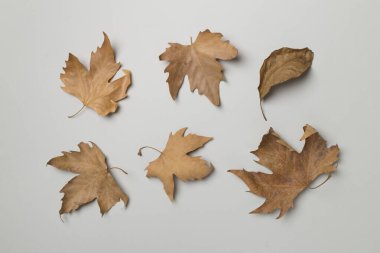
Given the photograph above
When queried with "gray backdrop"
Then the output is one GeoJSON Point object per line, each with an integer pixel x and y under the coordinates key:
{"type": "Point", "coordinates": [339, 97]}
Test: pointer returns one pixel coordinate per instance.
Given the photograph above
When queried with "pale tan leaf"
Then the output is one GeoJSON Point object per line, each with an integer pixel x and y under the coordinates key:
{"type": "Point", "coordinates": [175, 161]}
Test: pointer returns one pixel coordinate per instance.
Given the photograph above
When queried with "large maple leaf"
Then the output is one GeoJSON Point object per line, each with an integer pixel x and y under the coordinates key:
{"type": "Point", "coordinates": [293, 172]}
{"type": "Point", "coordinates": [93, 87]}
{"type": "Point", "coordinates": [174, 161]}
{"type": "Point", "coordinates": [199, 61]}
{"type": "Point", "coordinates": [93, 182]}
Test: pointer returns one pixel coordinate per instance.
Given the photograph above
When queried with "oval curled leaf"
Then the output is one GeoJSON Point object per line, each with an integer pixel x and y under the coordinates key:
{"type": "Point", "coordinates": [282, 65]}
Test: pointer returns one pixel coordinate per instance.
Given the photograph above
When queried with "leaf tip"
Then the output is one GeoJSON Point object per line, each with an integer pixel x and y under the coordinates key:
{"type": "Point", "coordinates": [105, 36]}
{"type": "Point", "coordinates": [61, 217]}
{"type": "Point", "coordinates": [308, 131]}
{"type": "Point", "coordinates": [171, 197]}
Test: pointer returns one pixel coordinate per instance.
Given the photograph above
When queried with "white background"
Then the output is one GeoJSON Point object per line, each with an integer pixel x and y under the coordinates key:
{"type": "Point", "coordinates": [339, 97]}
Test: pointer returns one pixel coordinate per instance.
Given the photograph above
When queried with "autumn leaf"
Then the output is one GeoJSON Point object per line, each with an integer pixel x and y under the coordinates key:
{"type": "Point", "coordinates": [175, 160]}
{"type": "Point", "coordinates": [94, 87]}
{"type": "Point", "coordinates": [199, 61]}
{"type": "Point", "coordinates": [94, 181]}
{"type": "Point", "coordinates": [292, 173]}
{"type": "Point", "coordinates": [282, 65]}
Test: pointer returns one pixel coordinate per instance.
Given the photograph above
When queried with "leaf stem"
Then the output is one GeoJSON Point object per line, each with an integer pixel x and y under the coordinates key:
{"type": "Point", "coordinates": [117, 168]}
{"type": "Point", "coordinates": [327, 179]}
{"type": "Point", "coordinates": [262, 111]}
{"type": "Point", "coordinates": [75, 114]}
{"type": "Point", "coordinates": [140, 150]}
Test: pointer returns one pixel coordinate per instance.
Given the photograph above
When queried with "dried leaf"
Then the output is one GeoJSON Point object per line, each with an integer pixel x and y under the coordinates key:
{"type": "Point", "coordinates": [199, 61]}
{"type": "Point", "coordinates": [282, 65]}
{"type": "Point", "coordinates": [93, 182]}
{"type": "Point", "coordinates": [175, 161]}
{"type": "Point", "coordinates": [292, 171]}
{"type": "Point", "coordinates": [93, 87]}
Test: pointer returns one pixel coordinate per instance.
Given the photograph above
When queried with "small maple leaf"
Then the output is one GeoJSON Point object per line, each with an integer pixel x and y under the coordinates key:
{"type": "Point", "coordinates": [282, 65]}
{"type": "Point", "coordinates": [199, 62]}
{"type": "Point", "coordinates": [175, 161]}
{"type": "Point", "coordinates": [93, 182]}
{"type": "Point", "coordinates": [93, 87]}
{"type": "Point", "coordinates": [292, 171]}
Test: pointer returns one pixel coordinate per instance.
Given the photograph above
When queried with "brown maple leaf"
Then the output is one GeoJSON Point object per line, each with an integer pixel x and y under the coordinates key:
{"type": "Point", "coordinates": [175, 161]}
{"type": "Point", "coordinates": [199, 61]}
{"type": "Point", "coordinates": [94, 181]}
{"type": "Point", "coordinates": [282, 65]}
{"type": "Point", "coordinates": [93, 87]}
{"type": "Point", "coordinates": [292, 173]}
